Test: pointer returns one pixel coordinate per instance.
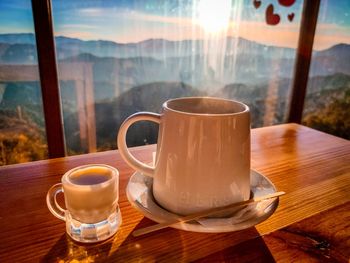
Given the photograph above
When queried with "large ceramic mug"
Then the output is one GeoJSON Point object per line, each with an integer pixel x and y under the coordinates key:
{"type": "Point", "coordinates": [203, 153]}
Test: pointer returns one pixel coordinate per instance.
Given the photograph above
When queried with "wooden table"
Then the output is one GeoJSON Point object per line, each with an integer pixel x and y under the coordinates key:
{"type": "Point", "coordinates": [312, 222]}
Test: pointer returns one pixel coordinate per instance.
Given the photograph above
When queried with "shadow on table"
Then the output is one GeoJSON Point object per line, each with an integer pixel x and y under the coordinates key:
{"type": "Point", "coordinates": [67, 250]}
{"type": "Point", "coordinates": [172, 245]}
{"type": "Point", "coordinates": [254, 250]}
{"type": "Point", "coordinates": [167, 245]}
{"type": "Point", "coordinates": [122, 244]}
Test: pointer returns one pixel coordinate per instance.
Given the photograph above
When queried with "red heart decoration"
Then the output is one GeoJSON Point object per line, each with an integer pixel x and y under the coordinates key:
{"type": "Point", "coordinates": [286, 2]}
{"type": "Point", "coordinates": [257, 4]}
{"type": "Point", "coordinates": [271, 18]}
{"type": "Point", "coordinates": [291, 17]}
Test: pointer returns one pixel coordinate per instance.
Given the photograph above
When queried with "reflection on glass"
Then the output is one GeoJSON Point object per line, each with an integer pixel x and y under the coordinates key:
{"type": "Point", "coordinates": [22, 127]}
{"type": "Point", "coordinates": [327, 102]}
{"type": "Point", "coordinates": [120, 57]}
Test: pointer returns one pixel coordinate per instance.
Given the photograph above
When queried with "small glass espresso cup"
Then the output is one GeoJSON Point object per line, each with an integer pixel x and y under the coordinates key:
{"type": "Point", "coordinates": [91, 195]}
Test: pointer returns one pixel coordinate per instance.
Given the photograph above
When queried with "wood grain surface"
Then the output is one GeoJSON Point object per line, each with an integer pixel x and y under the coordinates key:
{"type": "Point", "coordinates": [311, 223]}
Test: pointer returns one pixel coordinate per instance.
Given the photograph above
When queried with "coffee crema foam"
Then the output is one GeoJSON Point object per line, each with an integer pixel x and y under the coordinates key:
{"type": "Point", "coordinates": [90, 176]}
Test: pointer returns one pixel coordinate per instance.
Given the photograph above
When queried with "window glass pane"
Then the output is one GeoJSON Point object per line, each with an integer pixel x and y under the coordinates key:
{"type": "Point", "coordinates": [22, 127]}
{"type": "Point", "coordinates": [120, 57]}
{"type": "Point", "coordinates": [327, 102]}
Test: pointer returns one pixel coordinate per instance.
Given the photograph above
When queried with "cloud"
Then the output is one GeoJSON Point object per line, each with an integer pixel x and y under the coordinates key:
{"type": "Point", "coordinates": [93, 12]}
{"type": "Point", "coordinates": [79, 26]}
{"type": "Point", "coordinates": [181, 21]}
{"type": "Point", "coordinates": [76, 34]}
{"type": "Point", "coordinates": [127, 14]}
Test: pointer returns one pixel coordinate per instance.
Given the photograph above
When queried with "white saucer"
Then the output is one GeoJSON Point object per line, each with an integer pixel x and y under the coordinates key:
{"type": "Point", "coordinates": [139, 193]}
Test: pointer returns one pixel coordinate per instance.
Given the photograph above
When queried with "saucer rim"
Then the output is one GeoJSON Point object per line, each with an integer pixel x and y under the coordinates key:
{"type": "Point", "coordinates": [197, 227]}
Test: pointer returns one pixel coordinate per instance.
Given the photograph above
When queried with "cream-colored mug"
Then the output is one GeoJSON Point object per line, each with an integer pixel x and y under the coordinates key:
{"type": "Point", "coordinates": [203, 153]}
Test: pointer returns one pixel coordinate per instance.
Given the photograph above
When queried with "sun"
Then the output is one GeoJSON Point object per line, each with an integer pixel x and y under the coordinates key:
{"type": "Point", "coordinates": [214, 15]}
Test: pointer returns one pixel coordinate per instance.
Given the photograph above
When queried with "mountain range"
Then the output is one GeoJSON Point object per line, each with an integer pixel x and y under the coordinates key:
{"type": "Point", "coordinates": [157, 48]}
{"type": "Point", "coordinates": [140, 76]}
{"type": "Point", "coordinates": [123, 66]}
{"type": "Point", "coordinates": [160, 48]}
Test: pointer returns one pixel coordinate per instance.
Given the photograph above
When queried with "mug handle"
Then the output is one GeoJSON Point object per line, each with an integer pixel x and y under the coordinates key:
{"type": "Point", "coordinates": [52, 204]}
{"type": "Point", "coordinates": [123, 148]}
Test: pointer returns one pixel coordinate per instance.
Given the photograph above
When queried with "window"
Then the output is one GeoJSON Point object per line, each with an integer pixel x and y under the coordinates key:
{"type": "Point", "coordinates": [22, 127]}
{"type": "Point", "coordinates": [327, 102]}
{"type": "Point", "coordinates": [120, 57]}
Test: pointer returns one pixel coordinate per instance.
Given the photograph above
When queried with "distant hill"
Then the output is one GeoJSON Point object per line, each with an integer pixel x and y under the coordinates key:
{"type": "Point", "coordinates": [328, 111]}
{"type": "Point", "coordinates": [111, 114]}
{"type": "Point", "coordinates": [21, 139]}
{"type": "Point", "coordinates": [27, 95]}
{"type": "Point", "coordinates": [19, 54]}
{"type": "Point", "coordinates": [323, 90]}
{"type": "Point", "coordinates": [114, 76]}
{"type": "Point", "coordinates": [330, 61]}
{"type": "Point", "coordinates": [336, 50]}
{"type": "Point", "coordinates": [258, 96]}
{"type": "Point", "coordinates": [3, 48]}
{"type": "Point", "coordinates": [242, 92]}
{"type": "Point", "coordinates": [17, 38]}
{"type": "Point", "coordinates": [157, 48]}
{"type": "Point", "coordinates": [149, 97]}
{"type": "Point", "coordinates": [82, 57]}
{"type": "Point", "coordinates": [319, 84]}
{"type": "Point", "coordinates": [21, 94]}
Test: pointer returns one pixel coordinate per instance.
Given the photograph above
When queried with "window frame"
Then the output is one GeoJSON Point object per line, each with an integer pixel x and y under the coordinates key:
{"type": "Point", "coordinates": [45, 43]}
{"type": "Point", "coordinates": [303, 59]}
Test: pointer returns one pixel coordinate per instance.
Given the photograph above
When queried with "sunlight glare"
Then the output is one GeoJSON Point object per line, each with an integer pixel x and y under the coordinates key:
{"type": "Point", "coordinates": [214, 15]}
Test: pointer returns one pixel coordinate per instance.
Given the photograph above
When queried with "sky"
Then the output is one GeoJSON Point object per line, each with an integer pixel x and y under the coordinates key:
{"type": "Point", "coordinates": [136, 20]}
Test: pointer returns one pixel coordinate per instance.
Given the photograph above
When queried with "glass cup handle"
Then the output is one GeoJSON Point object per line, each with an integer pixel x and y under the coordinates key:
{"type": "Point", "coordinates": [121, 141]}
{"type": "Point", "coordinates": [52, 204]}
